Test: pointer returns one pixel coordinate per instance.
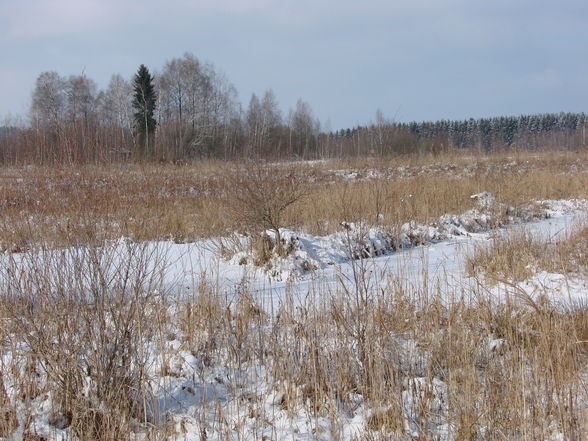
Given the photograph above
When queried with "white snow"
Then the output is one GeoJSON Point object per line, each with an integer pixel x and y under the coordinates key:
{"type": "Point", "coordinates": [426, 259]}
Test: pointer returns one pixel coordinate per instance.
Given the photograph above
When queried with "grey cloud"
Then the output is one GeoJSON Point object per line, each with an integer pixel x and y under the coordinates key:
{"type": "Point", "coordinates": [429, 58]}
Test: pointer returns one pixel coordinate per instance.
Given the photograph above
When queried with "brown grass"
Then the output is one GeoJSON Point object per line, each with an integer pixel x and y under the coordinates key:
{"type": "Point", "coordinates": [183, 203]}
{"type": "Point", "coordinates": [518, 256]}
{"type": "Point", "coordinates": [318, 357]}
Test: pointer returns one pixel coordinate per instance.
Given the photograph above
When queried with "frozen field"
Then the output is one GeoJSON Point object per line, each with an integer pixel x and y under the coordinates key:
{"type": "Point", "coordinates": [253, 377]}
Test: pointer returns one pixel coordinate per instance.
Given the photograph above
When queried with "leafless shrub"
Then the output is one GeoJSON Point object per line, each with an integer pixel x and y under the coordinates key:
{"type": "Point", "coordinates": [86, 315]}
{"type": "Point", "coordinates": [260, 194]}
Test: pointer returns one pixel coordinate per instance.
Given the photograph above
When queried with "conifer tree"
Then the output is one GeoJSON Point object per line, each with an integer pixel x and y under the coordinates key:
{"type": "Point", "coordinates": [144, 99]}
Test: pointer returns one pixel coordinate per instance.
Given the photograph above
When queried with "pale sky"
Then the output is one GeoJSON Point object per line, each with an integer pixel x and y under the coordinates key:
{"type": "Point", "coordinates": [413, 59]}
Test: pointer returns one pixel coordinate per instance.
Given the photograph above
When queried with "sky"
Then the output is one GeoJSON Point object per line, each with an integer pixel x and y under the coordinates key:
{"type": "Point", "coordinates": [414, 60]}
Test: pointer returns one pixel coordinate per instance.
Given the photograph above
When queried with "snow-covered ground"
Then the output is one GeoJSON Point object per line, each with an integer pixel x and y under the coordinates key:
{"type": "Point", "coordinates": [420, 257]}
{"type": "Point", "coordinates": [425, 260]}
{"type": "Point", "coordinates": [416, 255]}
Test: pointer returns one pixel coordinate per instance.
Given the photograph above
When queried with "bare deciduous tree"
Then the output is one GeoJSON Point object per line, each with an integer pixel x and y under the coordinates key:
{"type": "Point", "coordinates": [49, 100]}
{"type": "Point", "coordinates": [81, 98]}
{"type": "Point", "coordinates": [261, 195]}
{"type": "Point", "coordinates": [304, 129]}
{"type": "Point", "coordinates": [196, 107]}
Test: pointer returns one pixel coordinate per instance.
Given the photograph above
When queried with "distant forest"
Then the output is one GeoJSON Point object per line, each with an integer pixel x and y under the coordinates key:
{"type": "Point", "coordinates": [196, 115]}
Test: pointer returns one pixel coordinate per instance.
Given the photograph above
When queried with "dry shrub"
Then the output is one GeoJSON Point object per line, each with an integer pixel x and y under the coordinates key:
{"type": "Point", "coordinates": [86, 315]}
{"type": "Point", "coordinates": [257, 199]}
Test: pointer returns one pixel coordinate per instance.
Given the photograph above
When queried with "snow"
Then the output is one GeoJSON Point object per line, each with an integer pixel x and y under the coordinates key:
{"type": "Point", "coordinates": [562, 291]}
{"type": "Point", "coordinates": [417, 256]}
{"type": "Point", "coordinates": [430, 394]}
{"type": "Point", "coordinates": [425, 259]}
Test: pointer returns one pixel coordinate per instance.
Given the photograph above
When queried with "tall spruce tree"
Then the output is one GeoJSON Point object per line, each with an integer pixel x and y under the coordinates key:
{"type": "Point", "coordinates": [144, 99]}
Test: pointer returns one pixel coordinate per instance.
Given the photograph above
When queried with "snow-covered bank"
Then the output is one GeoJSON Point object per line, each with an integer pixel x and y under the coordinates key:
{"type": "Point", "coordinates": [304, 253]}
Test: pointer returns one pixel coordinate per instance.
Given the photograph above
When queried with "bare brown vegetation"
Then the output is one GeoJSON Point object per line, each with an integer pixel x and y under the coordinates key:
{"type": "Point", "coordinates": [85, 316]}
{"type": "Point", "coordinates": [479, 371]}
{"type": "Point", "coordinates": [91, 331]}
{"type": "Point", "coordinates": [518, 256]}
{"type": "Point", "coordinates": [89, 204]}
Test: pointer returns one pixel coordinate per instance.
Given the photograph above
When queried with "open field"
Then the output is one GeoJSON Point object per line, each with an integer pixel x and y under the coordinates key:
{"type": "Point", "coordinates": [90, 204]}
{"type": "Point", "coordinates": [372, 300]}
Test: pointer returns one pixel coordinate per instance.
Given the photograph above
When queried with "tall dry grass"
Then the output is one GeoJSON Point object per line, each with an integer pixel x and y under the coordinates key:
{"type": "Point", "coordinates": [518, 256]}
{"type": "Point", "coordinates": [91, 204]}
{"type": "Point", "coordinates": [77, 329]}
{"type": "Point", "coordinates": [77, 324]}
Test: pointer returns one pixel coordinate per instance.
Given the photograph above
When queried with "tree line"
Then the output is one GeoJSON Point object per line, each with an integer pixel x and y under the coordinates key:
{"type": "Point", "coordinates": [526, 132]}
{"type": "Point", "coordinates": [189, 111]}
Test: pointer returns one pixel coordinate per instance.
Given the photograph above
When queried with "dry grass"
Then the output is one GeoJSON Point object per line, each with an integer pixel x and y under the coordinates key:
{"type": "Point", "coordinates": [518, 256]}
{"type": "Point", "coordinates": [574, 252]}
{"type": "Point", "coordinates": [85, 316]}
{"type": "Point", "coordinates": [89, 205]}
{"type": "Point", "coordinates": [320, 357]}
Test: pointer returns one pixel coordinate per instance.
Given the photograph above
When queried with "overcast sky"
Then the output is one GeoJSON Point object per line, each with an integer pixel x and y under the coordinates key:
{"type": "Point", "coordinates": [413, 59]}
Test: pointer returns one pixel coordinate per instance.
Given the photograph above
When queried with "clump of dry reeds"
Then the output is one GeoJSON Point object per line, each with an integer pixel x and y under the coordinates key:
{"type": "Point", "coordinates": [79, 321]}
{"type": "Point", "coordinates": [517, 256]}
